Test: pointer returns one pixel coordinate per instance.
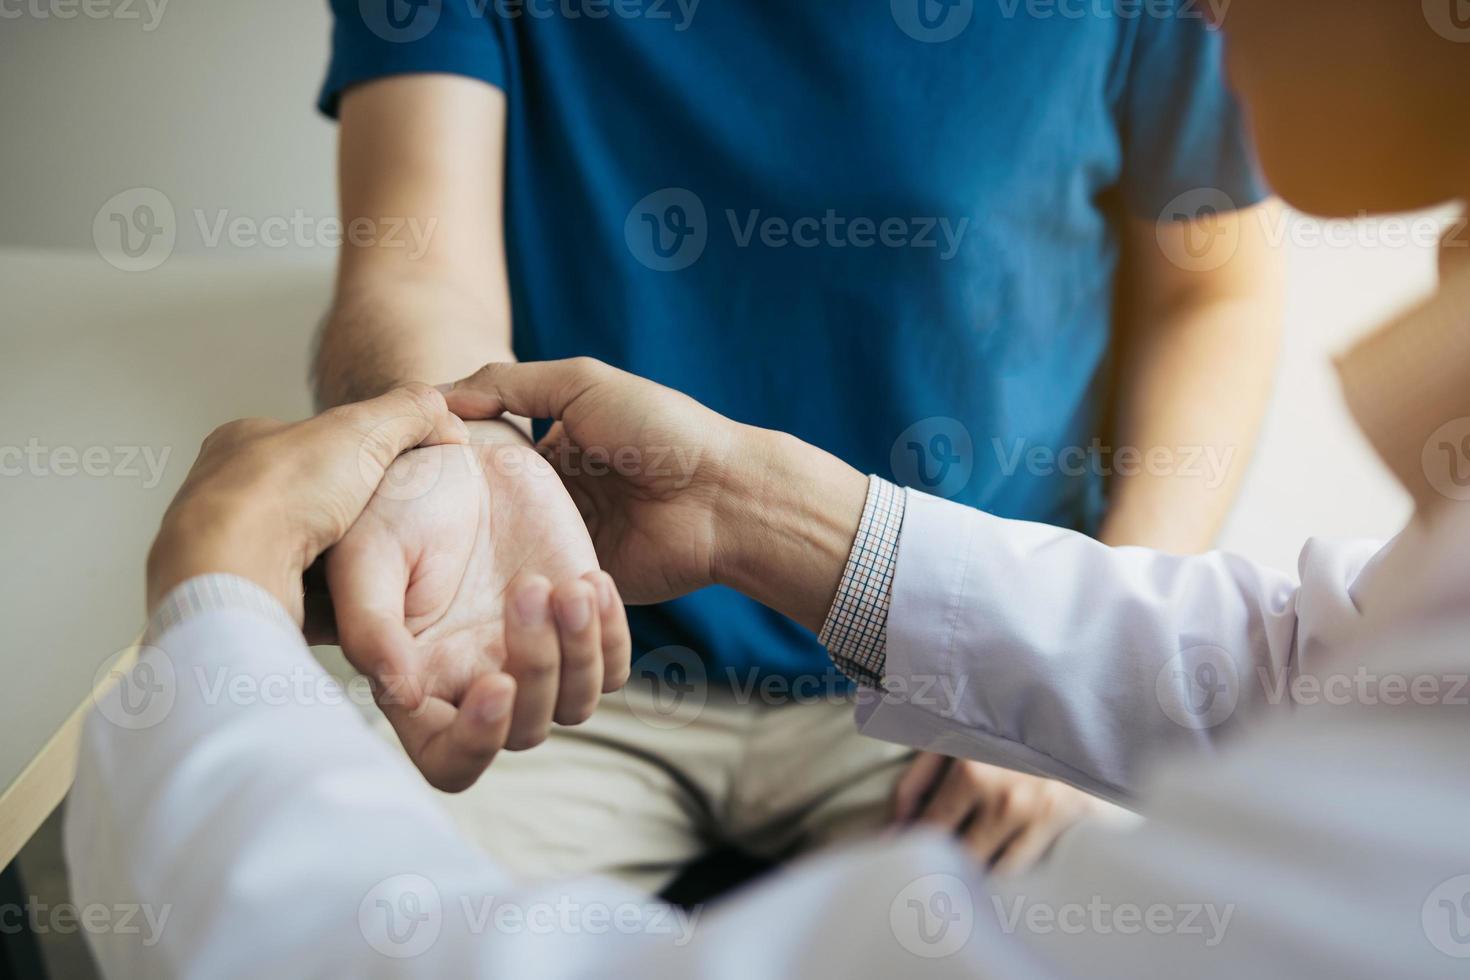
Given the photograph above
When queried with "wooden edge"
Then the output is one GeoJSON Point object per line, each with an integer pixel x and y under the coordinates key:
{"type": "Point", "coordinates": [35, 793]}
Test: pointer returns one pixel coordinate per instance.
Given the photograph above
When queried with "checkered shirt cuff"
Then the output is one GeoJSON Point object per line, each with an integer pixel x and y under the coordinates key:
{"type": "Point", "coordinates": [208, 593]}
{"type": "Point", "coordinates": [856, 631]}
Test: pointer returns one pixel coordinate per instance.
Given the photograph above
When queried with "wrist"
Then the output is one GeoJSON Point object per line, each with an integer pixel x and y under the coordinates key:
{"type": "Point", "coordinates": [785, 524]}
{"type": "Point", "coordinates": [200, 539]}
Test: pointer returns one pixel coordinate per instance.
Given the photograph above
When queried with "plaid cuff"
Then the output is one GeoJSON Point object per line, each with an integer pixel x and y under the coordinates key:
{"type": "Point", "coordinates": [208, 593]}
{"type": "Point", "coordinates": [856, 631]}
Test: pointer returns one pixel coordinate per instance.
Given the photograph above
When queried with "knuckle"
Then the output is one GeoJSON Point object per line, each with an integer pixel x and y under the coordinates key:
{"type": "Point", "coordinates": [535, 669]}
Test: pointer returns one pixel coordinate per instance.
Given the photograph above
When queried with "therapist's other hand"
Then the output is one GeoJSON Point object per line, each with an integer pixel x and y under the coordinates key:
{"type": "Point", "coordinates": [469, 561]}
{"type": "Point", "coordinates": [676, 496]}
{"type": "Point", "coordinates": [265, 498]}
{"type": "Point", "coordinates": [1008, 820]}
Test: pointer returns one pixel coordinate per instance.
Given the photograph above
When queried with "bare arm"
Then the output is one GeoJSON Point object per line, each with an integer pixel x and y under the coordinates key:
{"type": "Point", "coordinates": [1198, 334]}
{"type": "Point", "coordinates": [424, 152]}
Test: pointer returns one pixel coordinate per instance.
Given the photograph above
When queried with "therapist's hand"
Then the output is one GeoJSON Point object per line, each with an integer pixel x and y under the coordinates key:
{"type": "Point", "coordinates": [676, 496]}
{"type": "Point", "coordinates": [265, 498]}
{"type": "Point", "coordinates": [471, 560]}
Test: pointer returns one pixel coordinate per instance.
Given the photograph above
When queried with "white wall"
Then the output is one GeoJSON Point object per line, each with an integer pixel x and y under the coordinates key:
{"type": "Point", "coordinates": [212, 104]}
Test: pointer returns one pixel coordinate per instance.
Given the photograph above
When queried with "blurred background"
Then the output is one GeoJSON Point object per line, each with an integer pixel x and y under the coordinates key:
{"type": "Point", "coordinates": [209, 104]}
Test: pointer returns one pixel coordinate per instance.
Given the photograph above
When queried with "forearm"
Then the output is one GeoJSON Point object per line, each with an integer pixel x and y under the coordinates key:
{"type": "Point", "coordinates": [1195, 370]}
{"type": "Point", "coordinates": [409, 329]}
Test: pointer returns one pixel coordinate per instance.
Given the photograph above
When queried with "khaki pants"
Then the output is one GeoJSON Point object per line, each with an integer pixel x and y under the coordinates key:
{"type": "Point", "coordinates": [646, 786]}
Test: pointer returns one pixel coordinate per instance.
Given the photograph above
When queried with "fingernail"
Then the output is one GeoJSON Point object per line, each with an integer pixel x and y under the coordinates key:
{"type": "Point", "coordinates": [530, 603]}
{"type": "Point", "coordinates": [576, 614]}
{"type": "Point", "coordinates": [446, 387]}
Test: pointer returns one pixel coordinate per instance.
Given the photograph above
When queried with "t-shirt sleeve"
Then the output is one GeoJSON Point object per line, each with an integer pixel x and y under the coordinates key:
{"type": "Point", "coordinates": [376, 38]}
{"type": "Point", "coordinates": [1183, 131]}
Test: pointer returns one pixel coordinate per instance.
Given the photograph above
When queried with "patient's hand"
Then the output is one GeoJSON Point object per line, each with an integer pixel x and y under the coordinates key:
{"type": "Point", "coordinates": [473, 559]}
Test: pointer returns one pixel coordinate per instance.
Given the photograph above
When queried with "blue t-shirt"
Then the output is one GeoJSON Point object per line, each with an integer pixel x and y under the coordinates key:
{"type": "Point", "coordinates": [889, 228]}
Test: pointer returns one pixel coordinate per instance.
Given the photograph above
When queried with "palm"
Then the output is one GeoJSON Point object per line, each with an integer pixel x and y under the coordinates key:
{"type": "Point", "coordinates": [448, 530]}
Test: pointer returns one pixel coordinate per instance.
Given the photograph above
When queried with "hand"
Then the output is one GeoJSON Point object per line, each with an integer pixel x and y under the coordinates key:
{"type": "Point", "coordinates": [1007, 819]}
{"type": "Point", "coordinates": [676, 496]}
{"type": "Point", "coordinates": [265, 498]}
{"type": "Point", "coordinates": [471, 560]}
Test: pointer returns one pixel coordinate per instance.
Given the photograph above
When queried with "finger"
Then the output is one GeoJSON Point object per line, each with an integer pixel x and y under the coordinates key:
{"type": "Point", "coordinates": [580, 633]}
{"type": "Point", "coordinates": [952, 803]}
{"type": "Point", "coordinates": [1026, 848]}
{"type": "Point", "coordinates": [450, 746]}
{"type": "Point", "coordinates": [538, 390]}
{"type": "Point", "coordinates": [917, 780]}
{"type": "Point", "coordinates": [617, 641]}
{"type": "Point", "coordinates": [992, 829]}
{"type": "Point", "coordinates": [397, 421]}
{"type": "Point", "coordinates": [532, 658]}
{"type": "Point", "coordinates": [368, 577]}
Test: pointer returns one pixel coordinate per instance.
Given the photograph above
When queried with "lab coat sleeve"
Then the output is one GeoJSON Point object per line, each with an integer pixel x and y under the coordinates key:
{"type": "Point", "coordinates": [1041, 649]}
{"type": "Point", "coordinates": [235, 817]}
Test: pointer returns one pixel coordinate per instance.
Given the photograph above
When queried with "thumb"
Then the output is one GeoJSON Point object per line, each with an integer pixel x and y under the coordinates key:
{"type": "Point", "coordinates": [537, 390]}
{"type": "Point", "coordinates": [367, 581]}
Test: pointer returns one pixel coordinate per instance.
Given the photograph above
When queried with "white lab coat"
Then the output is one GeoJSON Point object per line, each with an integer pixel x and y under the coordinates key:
{"type": "Point", "coordinates": [1291, 837]}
